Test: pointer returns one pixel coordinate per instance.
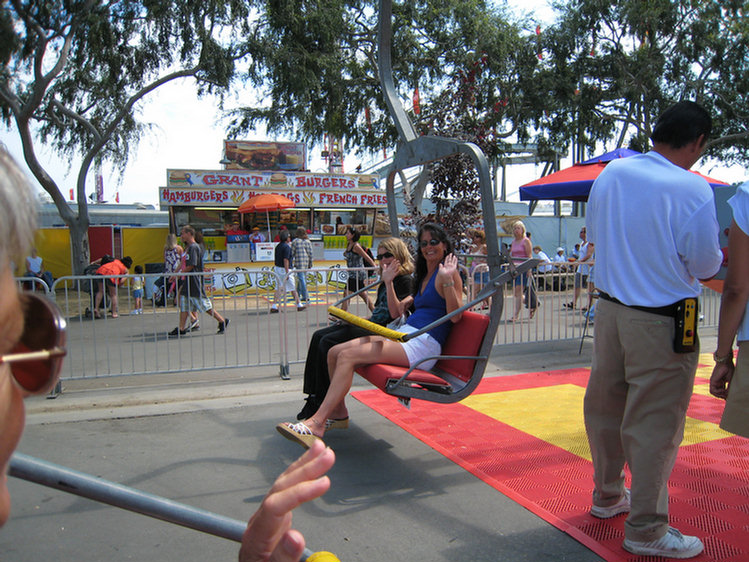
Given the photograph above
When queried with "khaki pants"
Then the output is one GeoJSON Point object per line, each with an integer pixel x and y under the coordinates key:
{"type": "Point", "coordinates": [635, 410]}
{"type": "Point", "coordinates": [736, 415]}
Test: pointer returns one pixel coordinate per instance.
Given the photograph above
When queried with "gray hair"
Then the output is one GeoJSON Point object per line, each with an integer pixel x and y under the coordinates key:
{"type": "Point", "coordinates": [17, 211]}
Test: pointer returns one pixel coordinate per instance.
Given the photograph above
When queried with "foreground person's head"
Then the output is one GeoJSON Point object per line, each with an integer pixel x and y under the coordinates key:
{"type": "Point", "coordinates": [17, 223]}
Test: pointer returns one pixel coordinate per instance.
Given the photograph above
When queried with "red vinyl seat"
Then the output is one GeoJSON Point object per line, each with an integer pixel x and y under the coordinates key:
{"type": "Point", "coordinates": [449, 375]}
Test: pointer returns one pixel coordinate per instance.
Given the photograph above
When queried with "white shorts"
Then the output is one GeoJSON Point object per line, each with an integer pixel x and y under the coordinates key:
{"type": "Point", "coordinates": [418, 348]}
{"type": "Point", "coordinates": [290, 284]}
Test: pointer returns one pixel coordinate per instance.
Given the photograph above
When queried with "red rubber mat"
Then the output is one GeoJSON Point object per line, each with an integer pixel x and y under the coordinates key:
{"type": "Point", "coordinates": [524, 436]}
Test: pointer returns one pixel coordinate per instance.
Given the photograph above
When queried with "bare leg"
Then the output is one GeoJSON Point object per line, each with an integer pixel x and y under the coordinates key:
{"type": "Point", "coordinates": [344, 304]}
{"type": "Point", "coordinates": [97, 299]}
{"type": "Point", "coordinates": [518, 293]}
{"type": "Point", "coordinates": [365, 297]}
{"type": "Point", "coordinates": [216, 315]}
{"type": "Point", "coordinates": [342, 360]}
{"type": "Point", "coordinates": [115, 302]}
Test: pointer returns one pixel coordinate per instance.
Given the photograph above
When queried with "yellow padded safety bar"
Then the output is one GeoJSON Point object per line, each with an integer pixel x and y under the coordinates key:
{"type": "Point", "coordinates": [366, 324]}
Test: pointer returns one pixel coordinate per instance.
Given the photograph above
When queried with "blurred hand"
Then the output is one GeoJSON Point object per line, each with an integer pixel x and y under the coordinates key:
{"type": "Point", "coordinates": [390, 270]}
{"type": "Point", "coordinates": [720, 380]}
{"type": "Point", "coordinates": [269, 536]}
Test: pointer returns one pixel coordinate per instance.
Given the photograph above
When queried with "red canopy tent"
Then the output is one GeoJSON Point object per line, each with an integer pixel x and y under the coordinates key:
{"type": "Point", "coordinates": [574, 183]}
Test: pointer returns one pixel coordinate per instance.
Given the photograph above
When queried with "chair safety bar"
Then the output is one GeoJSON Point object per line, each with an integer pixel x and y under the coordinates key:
{"type": "Point", "coordinates": [97, 489]}
{"type": "Point", "coordinates": [367, 324]}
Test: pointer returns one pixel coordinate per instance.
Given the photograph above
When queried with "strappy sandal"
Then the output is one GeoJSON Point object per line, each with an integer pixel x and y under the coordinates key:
{"type": "Point", "coordinates": [298, 432]}
{"type": "Point", "coordinates": [340, 423]}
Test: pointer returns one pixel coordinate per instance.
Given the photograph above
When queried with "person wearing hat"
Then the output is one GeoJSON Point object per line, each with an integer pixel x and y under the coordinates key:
{"type": "Point", "coordinates": [256, 237]}
{"type": "Point", "coordinates": [234, 229]}
{"type": "Point", "coordinates": [282, 229]}
{"type": "Point", "coordinates": [560, 260]}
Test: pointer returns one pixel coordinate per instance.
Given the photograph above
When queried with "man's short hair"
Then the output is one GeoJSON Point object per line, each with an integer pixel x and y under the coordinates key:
{"type": "Point", "coordinates": [681, 124]}
{"type": "Point", "coordinates": [283, 235]}
{"type": "Point", "coordinates": [190, 230]}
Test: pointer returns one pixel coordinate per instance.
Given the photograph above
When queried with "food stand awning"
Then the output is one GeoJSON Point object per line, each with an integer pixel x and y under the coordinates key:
{"type": "Point", "coordinates": [266, 202]}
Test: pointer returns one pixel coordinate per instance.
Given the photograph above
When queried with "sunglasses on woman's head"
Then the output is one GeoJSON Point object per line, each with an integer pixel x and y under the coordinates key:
{"type": "Point", "coordinates": [385, 255]}
{"type": "Point", "coordinates": [36, 360]}
{"type": "Point", "coordinates": [432, 242]}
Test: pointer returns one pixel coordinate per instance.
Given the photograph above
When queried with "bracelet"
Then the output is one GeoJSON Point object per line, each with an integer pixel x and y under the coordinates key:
{"type": "Point", "coordinates": [723, 359]}
{"type": "Point", "coordinates": [450, 284]}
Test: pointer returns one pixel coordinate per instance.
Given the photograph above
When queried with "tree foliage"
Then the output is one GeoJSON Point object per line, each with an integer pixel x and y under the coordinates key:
{"type": "Point", "coordinates": [611, 67]}
{"type": "Point", "coordinates": [317, 64]}
{"type": "Point", "coordinates": [73, 72]}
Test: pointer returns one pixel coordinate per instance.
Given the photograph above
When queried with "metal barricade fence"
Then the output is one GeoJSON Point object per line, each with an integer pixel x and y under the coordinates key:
{"type": "Point", "coordinates": [141, 344]}
{"type": "Point", "coordinates": [34, 284]}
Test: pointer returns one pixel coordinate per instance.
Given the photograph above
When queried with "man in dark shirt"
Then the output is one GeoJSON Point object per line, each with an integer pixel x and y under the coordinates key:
{"type": "Point", "coordinates": [192, 295]}
{"type": "Point", "coordinates": [285, 280]}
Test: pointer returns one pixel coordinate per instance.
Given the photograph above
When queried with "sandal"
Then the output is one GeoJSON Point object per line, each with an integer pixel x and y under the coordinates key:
{"type": "Point", "coordinates": [298, 432]}
{"type": "Point", "coordinates": [340, 423]}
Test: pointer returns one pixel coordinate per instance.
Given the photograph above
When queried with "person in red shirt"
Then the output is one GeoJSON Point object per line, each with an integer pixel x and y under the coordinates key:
{"type": "Point", "coordinates": [114, 267]}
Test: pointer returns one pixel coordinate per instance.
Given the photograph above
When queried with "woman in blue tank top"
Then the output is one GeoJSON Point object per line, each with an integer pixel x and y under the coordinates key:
{"type": "Point", "coordinates": [438, 291]}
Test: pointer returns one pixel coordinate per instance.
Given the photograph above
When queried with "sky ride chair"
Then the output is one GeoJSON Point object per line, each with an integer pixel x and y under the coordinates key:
{"type": "Point", "coordinates": [461, 365]}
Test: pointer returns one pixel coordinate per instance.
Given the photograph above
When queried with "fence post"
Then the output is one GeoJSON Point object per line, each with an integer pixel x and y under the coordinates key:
{"type": "Point", "coordinates": [282, 327]}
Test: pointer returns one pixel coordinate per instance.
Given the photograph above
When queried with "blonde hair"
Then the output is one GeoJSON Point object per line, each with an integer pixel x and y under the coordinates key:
{"type": "Point", "coordinates": [171, 241]}
{"type": "Point", "coordinates": [17, 211]}
{"type": "Point", "coordinates": [400, 251]}
{"type": "Point", "coordinates": [522, 225]}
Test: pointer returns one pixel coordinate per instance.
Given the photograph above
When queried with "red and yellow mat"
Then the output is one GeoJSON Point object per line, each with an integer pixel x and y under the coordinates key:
{"type": "Point", "coordinates": [524, 436]}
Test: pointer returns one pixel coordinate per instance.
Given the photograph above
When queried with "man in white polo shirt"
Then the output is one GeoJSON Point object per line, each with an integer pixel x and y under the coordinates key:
{"type": "Point", "coordinates": [655, 231]}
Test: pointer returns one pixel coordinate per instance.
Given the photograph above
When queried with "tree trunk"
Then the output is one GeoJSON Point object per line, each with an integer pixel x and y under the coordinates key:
{"type": "Point", "coordinates": [79, 244]}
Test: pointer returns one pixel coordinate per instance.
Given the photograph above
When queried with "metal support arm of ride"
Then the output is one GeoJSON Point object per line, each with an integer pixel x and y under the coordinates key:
{"type": "Point", "coordinates": [87, 486]}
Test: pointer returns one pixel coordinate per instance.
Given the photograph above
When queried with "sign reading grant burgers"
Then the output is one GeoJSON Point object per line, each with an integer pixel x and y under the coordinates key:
{"type": "Point", "coordinates": [258, 155]}
{"type": "Point", "coordinates": [231, 188]}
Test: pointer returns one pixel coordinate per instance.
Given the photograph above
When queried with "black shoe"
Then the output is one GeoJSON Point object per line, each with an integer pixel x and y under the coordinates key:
{"type": "Point", "coordinates": [310, 407]}
{"type": "Point", "coordinates": [222, 326]}
{"type": "Point", "coordinates": [273, 310]}
{"type": "Point", "coordinates": [195, 326]}
{"type": "Point", "coordinates": [177, 332]}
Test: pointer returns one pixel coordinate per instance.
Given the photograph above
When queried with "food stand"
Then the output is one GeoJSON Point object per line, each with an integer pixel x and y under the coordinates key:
{"type": "Point", "coordinates": [209, 201]}
{"type": "Point", "coordinates": [240, 245]}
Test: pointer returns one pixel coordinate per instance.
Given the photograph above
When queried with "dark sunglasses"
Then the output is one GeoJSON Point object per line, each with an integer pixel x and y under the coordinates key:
{"type": "Point", "coordinates": [36, 360]}
{"type": "Point", "coordinates": [432, 242]}
{"type": "Point", "coordinates": [385, 255]}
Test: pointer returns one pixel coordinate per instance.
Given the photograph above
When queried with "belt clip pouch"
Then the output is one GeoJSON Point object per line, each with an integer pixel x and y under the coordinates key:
{"type": "Point", "coordinates": [685, 317]}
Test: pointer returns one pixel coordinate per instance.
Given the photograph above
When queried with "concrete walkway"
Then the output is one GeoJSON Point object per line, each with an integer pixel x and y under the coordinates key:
{"type": "Point", "coordinates": [207, 439]}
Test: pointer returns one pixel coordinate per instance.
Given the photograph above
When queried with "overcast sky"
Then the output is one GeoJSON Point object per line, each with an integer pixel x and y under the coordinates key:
{"type": "Point", "coordinates": [187, 134]}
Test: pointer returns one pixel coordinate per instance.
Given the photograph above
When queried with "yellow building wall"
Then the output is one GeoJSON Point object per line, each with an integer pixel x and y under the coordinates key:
{"type": "Point", "coordinates": [53, 246]}
{"type": "Point", "coordinates": [144, 245]}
